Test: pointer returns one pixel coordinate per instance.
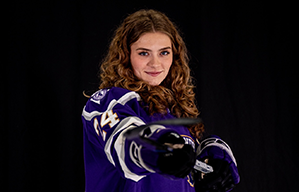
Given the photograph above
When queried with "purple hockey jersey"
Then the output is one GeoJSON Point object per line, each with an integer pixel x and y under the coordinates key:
{"type": "Point", "coordinates": [113, 163]}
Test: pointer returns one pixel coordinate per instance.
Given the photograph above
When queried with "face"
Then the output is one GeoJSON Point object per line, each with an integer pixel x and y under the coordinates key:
{"type": "Point", "coordinates": [151, 57]}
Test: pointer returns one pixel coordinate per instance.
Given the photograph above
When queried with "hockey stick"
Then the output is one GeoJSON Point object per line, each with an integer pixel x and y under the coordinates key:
{"type": "Point", "coordinates": [135, 133]}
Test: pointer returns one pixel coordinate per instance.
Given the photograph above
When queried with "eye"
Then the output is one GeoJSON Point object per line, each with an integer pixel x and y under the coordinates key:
{"type": "Point", "coordinates": [165, 53]}
{"type": "Point", "coordinates": [143, 53]}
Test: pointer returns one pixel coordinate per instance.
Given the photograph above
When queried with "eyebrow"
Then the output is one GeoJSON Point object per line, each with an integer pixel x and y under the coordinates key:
{"type": "Point", "coordinates": [145, 49]}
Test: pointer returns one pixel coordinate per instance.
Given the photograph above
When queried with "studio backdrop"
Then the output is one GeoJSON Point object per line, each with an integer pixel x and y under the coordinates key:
{"type": "Point", "coordinates": [242, 60]}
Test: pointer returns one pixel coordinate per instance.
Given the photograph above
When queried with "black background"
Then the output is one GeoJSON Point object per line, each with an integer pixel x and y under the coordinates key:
{"type": "Point", "coordinates": [242, 57]}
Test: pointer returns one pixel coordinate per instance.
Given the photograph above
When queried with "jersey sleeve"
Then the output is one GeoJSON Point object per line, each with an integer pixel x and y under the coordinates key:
{"type": "Point", "coordinates": [106, 117]}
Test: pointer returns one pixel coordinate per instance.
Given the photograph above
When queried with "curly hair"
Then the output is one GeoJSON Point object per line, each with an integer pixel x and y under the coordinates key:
{"type": "Point", "coordinates": [175, 92]}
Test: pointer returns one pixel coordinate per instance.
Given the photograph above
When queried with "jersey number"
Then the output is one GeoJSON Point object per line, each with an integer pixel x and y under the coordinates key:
{"type": "Point", "coordinates": [108, 117]}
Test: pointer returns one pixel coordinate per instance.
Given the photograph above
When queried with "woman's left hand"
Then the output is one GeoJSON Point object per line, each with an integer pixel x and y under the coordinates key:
{"type": "Point", "coordinates": [215, 152]}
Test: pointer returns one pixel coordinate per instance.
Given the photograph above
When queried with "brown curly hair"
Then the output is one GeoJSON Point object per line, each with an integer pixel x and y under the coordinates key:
{"type": "Point", "coordinates": [175, 92]}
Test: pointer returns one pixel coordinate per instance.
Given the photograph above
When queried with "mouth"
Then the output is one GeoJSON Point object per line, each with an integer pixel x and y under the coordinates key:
{"type": "Point", "coordinates": [154, 74]}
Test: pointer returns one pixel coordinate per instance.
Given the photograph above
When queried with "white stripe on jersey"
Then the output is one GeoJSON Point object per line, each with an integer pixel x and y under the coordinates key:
{"type": "Point", "coordinates": [88, 116]}
{"type": "Point", "coordinates": [139, 160]}
{"type": "Point", "coordinates": [123, 100]}
{"type": "Point", "coordinates": [127, 123]}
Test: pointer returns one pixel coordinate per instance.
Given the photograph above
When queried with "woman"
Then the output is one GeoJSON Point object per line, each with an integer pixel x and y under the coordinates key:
{"type": "Point", "coordinates": [145, 78]}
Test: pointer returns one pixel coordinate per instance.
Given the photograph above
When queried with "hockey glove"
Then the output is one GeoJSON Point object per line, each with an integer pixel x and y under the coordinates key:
{"type": "Point", "coordinates": [225, 176]}
{"type": "Point", "coordinates": [178, 162]}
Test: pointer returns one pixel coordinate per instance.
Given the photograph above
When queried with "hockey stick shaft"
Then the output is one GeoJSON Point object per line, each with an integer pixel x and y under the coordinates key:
{"type": "Point", "coordinates": [134, 133]}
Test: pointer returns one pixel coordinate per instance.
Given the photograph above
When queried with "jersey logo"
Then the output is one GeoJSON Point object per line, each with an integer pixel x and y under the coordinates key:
{"type": "Point", "coordinates": [97, 96]}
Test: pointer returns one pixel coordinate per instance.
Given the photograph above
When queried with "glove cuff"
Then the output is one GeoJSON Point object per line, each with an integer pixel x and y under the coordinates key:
{"type": "Point", "coordinates": [216, 141]}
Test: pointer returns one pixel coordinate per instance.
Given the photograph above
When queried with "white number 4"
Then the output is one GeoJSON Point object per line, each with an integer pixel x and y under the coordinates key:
{"type": "Point", "coordinates": [108, 117]}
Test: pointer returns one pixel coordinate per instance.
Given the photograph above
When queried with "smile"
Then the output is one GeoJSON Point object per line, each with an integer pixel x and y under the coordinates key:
{"type": "Point", "coordinates": [153, 74]}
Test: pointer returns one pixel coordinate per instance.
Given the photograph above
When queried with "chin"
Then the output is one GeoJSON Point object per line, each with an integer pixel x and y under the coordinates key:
{"type": "Point", "coordinates": [154, 84]}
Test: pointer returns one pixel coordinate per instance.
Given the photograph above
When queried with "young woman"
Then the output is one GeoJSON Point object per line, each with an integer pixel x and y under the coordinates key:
{"type": "Point", "coordinates": [145, 77]}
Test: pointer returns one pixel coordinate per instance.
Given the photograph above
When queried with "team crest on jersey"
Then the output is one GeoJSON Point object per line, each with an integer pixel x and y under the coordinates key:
{"type": "Point", "coordinates": [97, 96]}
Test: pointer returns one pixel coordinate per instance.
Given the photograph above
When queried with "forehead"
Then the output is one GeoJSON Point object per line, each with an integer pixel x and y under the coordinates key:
{"type": "Point", "coordinates": [154, 40]}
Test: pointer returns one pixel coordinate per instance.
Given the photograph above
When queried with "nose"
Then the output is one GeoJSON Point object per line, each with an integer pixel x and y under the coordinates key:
{"type": "Point", "coordinates": [154, 62]}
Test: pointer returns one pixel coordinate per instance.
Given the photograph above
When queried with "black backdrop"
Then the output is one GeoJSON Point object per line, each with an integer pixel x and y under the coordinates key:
{"type": "Point", "coordinates": [242, 58]}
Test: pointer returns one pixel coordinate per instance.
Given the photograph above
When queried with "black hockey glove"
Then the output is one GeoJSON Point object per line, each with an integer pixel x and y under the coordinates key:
{"type": "Point", "coordinates": [225, 175]}
{"type": "Point", "coordinates": [218, 181]}
{"type": "Point", "coordinates": [180, 161]}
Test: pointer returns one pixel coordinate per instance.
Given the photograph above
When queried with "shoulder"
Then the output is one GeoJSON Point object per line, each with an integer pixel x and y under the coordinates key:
{"type": "Point", "coordinates": [104, 98]}
{"type": "Point", "coordinates": [113, 93]}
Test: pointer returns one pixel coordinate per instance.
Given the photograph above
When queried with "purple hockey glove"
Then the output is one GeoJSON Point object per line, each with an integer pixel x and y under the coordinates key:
{"type": "Point", "coordinates": [218, 154]}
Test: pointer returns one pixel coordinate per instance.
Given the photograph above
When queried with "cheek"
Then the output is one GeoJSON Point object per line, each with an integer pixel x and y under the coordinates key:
{"type": "Point", "coordinates": [136, 64]}
{"type": "Point", "coordinates": [168, 63]}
